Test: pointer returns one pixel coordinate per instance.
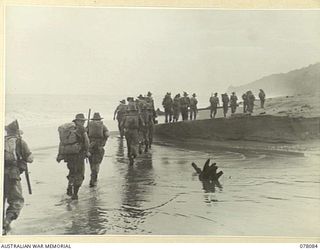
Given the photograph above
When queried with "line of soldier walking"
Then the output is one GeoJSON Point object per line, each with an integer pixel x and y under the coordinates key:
{"type": "Point", "coordinates": [185, 105]}
{"type": "Point", "coordinates": [135, 121]}
{"type": "Point", "coordinates": [79, 143]}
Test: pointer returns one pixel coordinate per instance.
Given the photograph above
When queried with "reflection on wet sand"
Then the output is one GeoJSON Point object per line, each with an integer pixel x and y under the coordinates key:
{"type": "Point", "coordinates": [139, 181]}
{"type": "Point", "coordinates": [210, 186]}
{"type": "Point", "coordinates": [120, 152]}
{"type": "Point", "coordinates": [162, 194]}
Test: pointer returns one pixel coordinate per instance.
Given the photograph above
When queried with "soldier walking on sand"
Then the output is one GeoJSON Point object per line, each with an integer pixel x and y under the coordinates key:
{"type": "Point", "coordinates": [152, 117]}
{"type": "Point", "coordinates": [16, 157]}
{"type": "Point", "coordinates": [150, 100]}
{"type": "Point", "coordinates": [73, 149]}
{"type": "Point", "coordinates": [167, 104]}
{"type": "Point", "coordinates": [193, 107]}
{"type": "Point", "coordinates": [184, 105]}
{"type": "Point", "coordinates": [262, 97]}
{"type": "Point", "coordinates": [251, 98]}
{"type": "Point", "coordinates": [176, 108]}
{"type": "Point", "coordinates": [132, 122]}
{"type": "Point", "coordinates": [98, 136]}
{"type": "Point", "coordinates": [214, 102]}
{"type": "Point", "coordinates": [145, 128]}
{"type": "Point", "coordinates": [245, 102]}
{"type": "Point", "coordinates": [119, 113]}
{"type": "Point", "coordinates": [233, 102]}
{"type": "Point", "coordinates": [225, 103]}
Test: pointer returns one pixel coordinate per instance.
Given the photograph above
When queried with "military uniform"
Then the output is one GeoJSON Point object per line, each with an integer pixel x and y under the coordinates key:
{"type": "Point", "coordinates": [184, 105]}
{"type": "Point", "coordinates": [245, 102]}
{"type": "Point", "coordinates": [225, 103]}
{"type": "Point", "coordinates": [145, 128]}
{"type": "Point", "coordinates": [120, 113]}
{"type": "Point", "coordinates": [176, 108]}
{"type": "Point", "coordinates": [131, 123]}
{"type": "Point", "coordinates": [152, 117]}
{"type": "Point", "coordinates": [233, 102]}
{"type": "Point", "coordinates": [96, 148]}
{"type": "Point", "coordinates": [214, 102]}
{"type": "Point", "coordinates": [167, 103]}
{"type": "Point", "coordinates": [151, 108]}
{"type": "Point", "coordinates": [12, 190]}
{"type": "Point", "coordinates": [193, 107]}
{"type": "Point", "coordinates": [75, 162]}
{"type": "Point", "coordinates": [251, 98]}
{"type": "Point", "coordinates": [262, 97]}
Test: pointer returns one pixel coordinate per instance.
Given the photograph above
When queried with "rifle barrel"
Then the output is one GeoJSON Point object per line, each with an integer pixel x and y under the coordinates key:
{"type": "Point", "coordinates": [26, 172]}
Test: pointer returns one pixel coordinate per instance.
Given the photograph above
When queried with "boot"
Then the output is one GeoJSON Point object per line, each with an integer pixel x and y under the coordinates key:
{"type": "Point", "coordinates": [131, 160]}
{"type": "Point", "coordinates": [69, 190]}
{"type": "Point", "coordinates": [75, 193]}
{"type": "Point", "coordinates": [93, 180]}
{"type": "Point", "coordinates": [6, 224]}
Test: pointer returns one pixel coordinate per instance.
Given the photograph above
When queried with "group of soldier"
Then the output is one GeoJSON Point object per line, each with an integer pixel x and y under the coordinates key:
{"type": "Point", "coordinates": [185, 105]}
{"type": "Point", "coordinates": [173, 107]}
{"type": "Point", "coordinates": [79, 143]}
{"type": "Point", "coordinates": [248, 102]}
{"type": "Point", "coordinates": [136, 119]}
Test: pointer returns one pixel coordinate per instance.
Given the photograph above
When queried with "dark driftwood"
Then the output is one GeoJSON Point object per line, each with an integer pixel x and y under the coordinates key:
{"type": "Point", "coordinates": [209, 172]}
{"type": "Point", "coordinates": [208, 176]}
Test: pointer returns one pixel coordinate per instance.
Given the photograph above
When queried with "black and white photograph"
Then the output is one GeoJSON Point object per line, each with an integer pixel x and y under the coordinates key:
{"type": "Point", "coordinates": [161, 121]}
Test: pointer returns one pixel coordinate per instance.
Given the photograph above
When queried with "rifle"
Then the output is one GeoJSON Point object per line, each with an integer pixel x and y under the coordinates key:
{"type": "Point", "coordinates": [26, 172]}
{"type": "Point", "coordinates": [88, 120]}
{"type": "Point", "coordinates": [89, 113]}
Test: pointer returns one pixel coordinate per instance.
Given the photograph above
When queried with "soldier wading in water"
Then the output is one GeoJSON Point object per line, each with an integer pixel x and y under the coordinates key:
{"type": "Point", "coordinates": [119, 113]}
{"type": "Point", "coordinates": [132, 122]}
{"type": "Point", "coordinates": [73, 149]}
{"type": "Point", "coordinates": [98, 136]}
{"type": "Point", "coordinates": [16, 157]}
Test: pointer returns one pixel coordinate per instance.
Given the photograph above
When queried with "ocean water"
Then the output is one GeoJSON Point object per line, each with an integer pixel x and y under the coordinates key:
{"type": "Point", "coordinates": [261, 194]}
{"type": "Point", "coordinates": [54, 110]}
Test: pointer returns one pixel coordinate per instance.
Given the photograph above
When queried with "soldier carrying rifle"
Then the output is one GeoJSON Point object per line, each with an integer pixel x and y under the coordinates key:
{"type": "Point", "coordinates": [16, 157]}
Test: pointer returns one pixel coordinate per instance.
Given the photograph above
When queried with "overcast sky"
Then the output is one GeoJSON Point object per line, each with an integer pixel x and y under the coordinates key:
{"type": "Point", "coordinates": [130, 51]}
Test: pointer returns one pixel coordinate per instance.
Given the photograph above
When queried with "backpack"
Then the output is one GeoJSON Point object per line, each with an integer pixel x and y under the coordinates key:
{"type": "Point", "coordinates": [167, 101]}
{"type": "Point", "coordinates": [225, 99]}
{"type": "Point", "coordinates": [145, 117]}
{"type": "Point", "coordinates": [184, 101]}
{"type": "Point", "coordinates": [193, 102]}
{"type": "Point", "coordinates": [214, 100]}
{"type": "Point", "coordinates": [131, 122]}
{"type": "Point", "coordinates": [96, 129]}
{"type": "Point", "coordinates": [122, 108]}
{"type": "Point", "coordinates": [68, 139]}
{"type": "Point", "coordinates": [10, 149]}
{"type": "Point", "coordinates": [262, 95]}
{"type": "Point", "coordinates": [233, 99]}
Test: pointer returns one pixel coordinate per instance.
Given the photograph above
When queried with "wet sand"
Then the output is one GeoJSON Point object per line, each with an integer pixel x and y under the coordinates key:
{"type": "Point", "coordinates": [262, 194]}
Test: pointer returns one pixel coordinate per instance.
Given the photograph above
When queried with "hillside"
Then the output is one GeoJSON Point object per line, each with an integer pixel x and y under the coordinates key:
{"type": "Point", "coordinates": [305, 80]}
